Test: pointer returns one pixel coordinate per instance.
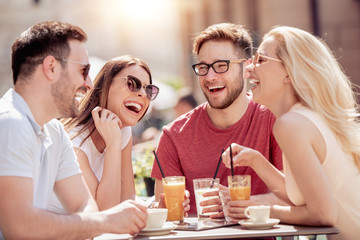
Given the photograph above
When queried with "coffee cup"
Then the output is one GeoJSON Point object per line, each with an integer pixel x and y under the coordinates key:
{"type": "Point", "coordinates": [156, 217]}
{"type": "Point", "coordinates": [258, 214]}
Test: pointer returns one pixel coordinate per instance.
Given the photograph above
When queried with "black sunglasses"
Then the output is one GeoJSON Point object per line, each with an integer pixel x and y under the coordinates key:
{"type": "Point", "coordinates": [134, 85]}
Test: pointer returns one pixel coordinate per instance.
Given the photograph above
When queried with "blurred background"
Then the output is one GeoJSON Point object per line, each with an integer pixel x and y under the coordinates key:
{"type": "Point", "coordinates": [161, 31]}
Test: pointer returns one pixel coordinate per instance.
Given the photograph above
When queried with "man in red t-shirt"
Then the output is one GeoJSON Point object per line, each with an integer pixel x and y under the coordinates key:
{"type": "Point", "coordinates": [191, 145]}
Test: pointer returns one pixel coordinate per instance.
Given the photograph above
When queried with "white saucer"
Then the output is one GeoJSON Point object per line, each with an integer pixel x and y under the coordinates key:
{"type": "Point", "coordinates": [166, 229]}
{"type": "Point", "coordinates": [267, 225]}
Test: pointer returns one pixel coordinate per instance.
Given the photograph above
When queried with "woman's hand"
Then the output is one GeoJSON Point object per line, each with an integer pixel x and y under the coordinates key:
{"type": "Point", "coordinates": [242, 156]}
{"type": "Point", "coordinates": [108, 125]}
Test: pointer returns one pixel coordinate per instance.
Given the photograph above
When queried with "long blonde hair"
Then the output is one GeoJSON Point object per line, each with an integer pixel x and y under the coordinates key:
{"type": "Point", "coordinates": [320, 84]}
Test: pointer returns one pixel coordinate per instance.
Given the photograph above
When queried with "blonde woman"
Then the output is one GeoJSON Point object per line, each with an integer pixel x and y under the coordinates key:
{"type": "Point", "coordinates": [297, 77]}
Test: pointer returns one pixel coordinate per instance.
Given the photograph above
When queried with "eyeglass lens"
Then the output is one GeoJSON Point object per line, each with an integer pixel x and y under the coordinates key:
{"type": "Point", "coordinates": [134, 85]}
{"type": "Point", "coordinates": [202, 69]}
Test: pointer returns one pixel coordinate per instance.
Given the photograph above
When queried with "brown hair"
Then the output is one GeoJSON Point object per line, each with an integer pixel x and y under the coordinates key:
{"type": "Point", "coordinates": [98, 96]}
{"type": "Point", "coordinates": [226, 31]}
{"type": "Point", "coordinates": [39, 41]}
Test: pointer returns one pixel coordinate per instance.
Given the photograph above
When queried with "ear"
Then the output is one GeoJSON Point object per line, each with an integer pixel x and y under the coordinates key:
{"type": "Point", "coordinates": [51, 68]}
{"type": "Point", "coordinates": [287, 79]}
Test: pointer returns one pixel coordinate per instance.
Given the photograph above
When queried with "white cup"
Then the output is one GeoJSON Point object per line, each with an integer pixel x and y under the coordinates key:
{"type": "Point", "coordinates": [156, 217]}
{"type": "Point", "coordinates": [258, 214]}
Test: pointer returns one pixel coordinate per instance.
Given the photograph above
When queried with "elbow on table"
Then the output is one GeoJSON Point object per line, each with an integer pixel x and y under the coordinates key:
{"type": "Point", "coordinates": [324, 218]}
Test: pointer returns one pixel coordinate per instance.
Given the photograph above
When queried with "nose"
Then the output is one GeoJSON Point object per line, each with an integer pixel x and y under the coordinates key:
{"type": "Point", "coordinates": [141, 92]}
{"type": "Point", "coordinates": [211, 74]}
{"type": "Point", "coordinates": [89, 83]}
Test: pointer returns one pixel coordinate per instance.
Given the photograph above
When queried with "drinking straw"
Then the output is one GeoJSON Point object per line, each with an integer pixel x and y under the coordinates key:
{"type": "Point", "coordinates": [157, 160]}
{"type": "Point", "coordinates": [231, 162]}
{"type": "Point", "coordinates": [217, 169]}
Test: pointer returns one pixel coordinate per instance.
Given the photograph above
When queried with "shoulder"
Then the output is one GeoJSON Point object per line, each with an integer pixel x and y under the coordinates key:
{"type": "Point", "coordinates": [13, 120]}
{"type": "Point", "coordinates": [259, 115]}
{"type": "Point", "coordinates": [292, 125]}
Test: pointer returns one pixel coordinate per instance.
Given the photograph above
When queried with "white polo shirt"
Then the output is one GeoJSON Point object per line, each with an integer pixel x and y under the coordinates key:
{"type": "Point", "coordinates": [26, 150]}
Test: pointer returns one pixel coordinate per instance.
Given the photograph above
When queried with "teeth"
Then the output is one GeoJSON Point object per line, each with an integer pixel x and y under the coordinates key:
{"type": "Point", "coordinates": [215, 87]}
{"type": "Point", "coordinates": [135, 105]}
{"type": "Point", "coordinates": [254, 81]}
{"type": "Point", "coordinates": [79, 95]}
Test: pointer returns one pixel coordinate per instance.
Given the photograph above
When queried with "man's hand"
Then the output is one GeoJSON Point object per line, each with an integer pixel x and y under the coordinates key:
{"type": "Point", "coordinates": [126, 217]}
{"type": "Point", "coordinates": [213, 205]}
{"type": "Point", "coordinates": [185, 203]}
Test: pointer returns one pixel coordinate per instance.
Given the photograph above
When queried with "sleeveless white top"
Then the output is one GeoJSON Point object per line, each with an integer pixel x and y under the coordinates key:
{"type": "Point", "coordinates": [95, 158]}
{"type": "Point", "coordinates": [343, 175]}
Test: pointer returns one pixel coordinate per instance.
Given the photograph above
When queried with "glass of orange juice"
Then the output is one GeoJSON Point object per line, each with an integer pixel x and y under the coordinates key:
{"type": "Point", "coordinates": [174, 190]}
{"type": "Point", "coordinates": [240, 187]}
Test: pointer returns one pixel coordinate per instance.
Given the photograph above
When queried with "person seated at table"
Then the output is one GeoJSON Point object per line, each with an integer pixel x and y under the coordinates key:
{"type": "Point", "coordinates": [298, 78]}
{"type": "Point", "coordinates": [191, 145]}
{"type": "Point", "coordinates": [101, 134]}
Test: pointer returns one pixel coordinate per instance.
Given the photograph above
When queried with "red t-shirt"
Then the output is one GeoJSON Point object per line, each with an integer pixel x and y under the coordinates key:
{"type": "Point", "coordinates": [191, 147]}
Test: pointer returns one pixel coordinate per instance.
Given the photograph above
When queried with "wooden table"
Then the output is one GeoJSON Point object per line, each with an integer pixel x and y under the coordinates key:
{"type": "Point", "coordinates": [231, 232]}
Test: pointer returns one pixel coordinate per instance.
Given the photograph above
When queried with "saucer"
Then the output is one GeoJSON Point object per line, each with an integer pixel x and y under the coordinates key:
{"type": "Point", "coordinates": [266, 225]}
{"type": "Point", "coordinates": [166, 229]}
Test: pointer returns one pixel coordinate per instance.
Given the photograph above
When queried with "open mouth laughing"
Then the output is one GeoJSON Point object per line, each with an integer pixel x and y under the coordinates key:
{"type": "Point", "coordinates": [215, 89]}
{"type": "Point", "coordinates": [133, 106]}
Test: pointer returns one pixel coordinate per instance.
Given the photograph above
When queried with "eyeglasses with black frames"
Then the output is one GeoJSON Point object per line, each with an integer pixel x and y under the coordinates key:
{"type": "Point", "coordinates": [259, 58]}
{"type": "Point", "coordinates": [134, 85]}
{"type": "Point", "coordinates": [86, 66]}
{"type": "Point", "coordinates": [220, 66]}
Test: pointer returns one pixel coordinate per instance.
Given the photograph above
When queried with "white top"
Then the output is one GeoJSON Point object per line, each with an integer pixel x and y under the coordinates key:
{"type": "Point", "coordinates": [342, 174]}
{"type": "Point", "coordinates": [95, 158]}
{"type": "Point", "coordinates": [44, 155]}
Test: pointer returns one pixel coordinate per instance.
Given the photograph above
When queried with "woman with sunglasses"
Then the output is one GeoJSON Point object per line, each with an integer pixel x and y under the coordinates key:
{"type": "Point", "coordinates": [298, 78]}
{"type": "Point", "coordinates": [101, 134]}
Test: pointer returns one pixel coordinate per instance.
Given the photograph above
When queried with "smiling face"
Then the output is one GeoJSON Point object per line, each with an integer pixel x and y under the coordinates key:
{"type": "Point", "coordinates": [220, 89]}
{"type": "Point", "coordinates": [267, 75]}
{"type": "Point", "coordinates": [129, 106]}
{"type": "Point", "coordinates": [71, 82]}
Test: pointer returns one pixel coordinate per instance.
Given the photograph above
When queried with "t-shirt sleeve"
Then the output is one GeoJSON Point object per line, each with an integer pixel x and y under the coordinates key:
{"type": "Point", "coordinates": [168, 158]}
{"type": "Point", "coordinates": [68, 165]}
{"type": "Point", "coordinates": [18, 142]}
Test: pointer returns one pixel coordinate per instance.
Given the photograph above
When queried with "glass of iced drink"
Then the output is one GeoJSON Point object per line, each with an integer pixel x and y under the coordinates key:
{"type": "Point", "coordinates": [239, 187]}
{"type": "Point", "coordinates": [174, 191]}
{"type": "Point", "coordinates": [201, 186]}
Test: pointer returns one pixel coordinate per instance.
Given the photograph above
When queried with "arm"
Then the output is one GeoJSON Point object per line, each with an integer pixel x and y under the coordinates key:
{"type": "Point", "coordinates": [108, 190]}
{"type": "Point", "coordinates": [272, 177]}
{"type": "Point", "coordinates": [127, 174]}
{"type": "Point", "coordinates": [21, 220]}
{"type": "Point", "coordinates": [305, 150]}
{"type": "Point", "coordinates": [74, 195]}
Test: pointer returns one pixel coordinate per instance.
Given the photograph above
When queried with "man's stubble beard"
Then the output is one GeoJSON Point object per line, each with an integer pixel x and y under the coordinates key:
{"type": "Point", "coordinates": [234, 93]}
{"type": "Point", "coordinates": [63, 92]}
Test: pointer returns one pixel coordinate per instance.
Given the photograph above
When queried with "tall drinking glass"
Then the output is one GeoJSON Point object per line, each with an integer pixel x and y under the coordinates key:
{"type": "Point", "coordinates": [201, 186]}
{"type": "Point", "coordinates": [174, 190]}
{"type": "Point", "coordinates": [240, 187]}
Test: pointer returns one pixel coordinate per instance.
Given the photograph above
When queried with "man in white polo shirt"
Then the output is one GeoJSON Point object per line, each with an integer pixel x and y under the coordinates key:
{"type": "Point", "coordinates": [50, 68]}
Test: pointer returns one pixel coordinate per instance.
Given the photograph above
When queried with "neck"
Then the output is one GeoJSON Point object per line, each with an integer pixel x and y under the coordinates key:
{"type": "Point", "coordinates": [37, 99]}
{"type": "Point", "coordinates": [282, 104]}
{"type": "Point", "coordinates": [225, 118]}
